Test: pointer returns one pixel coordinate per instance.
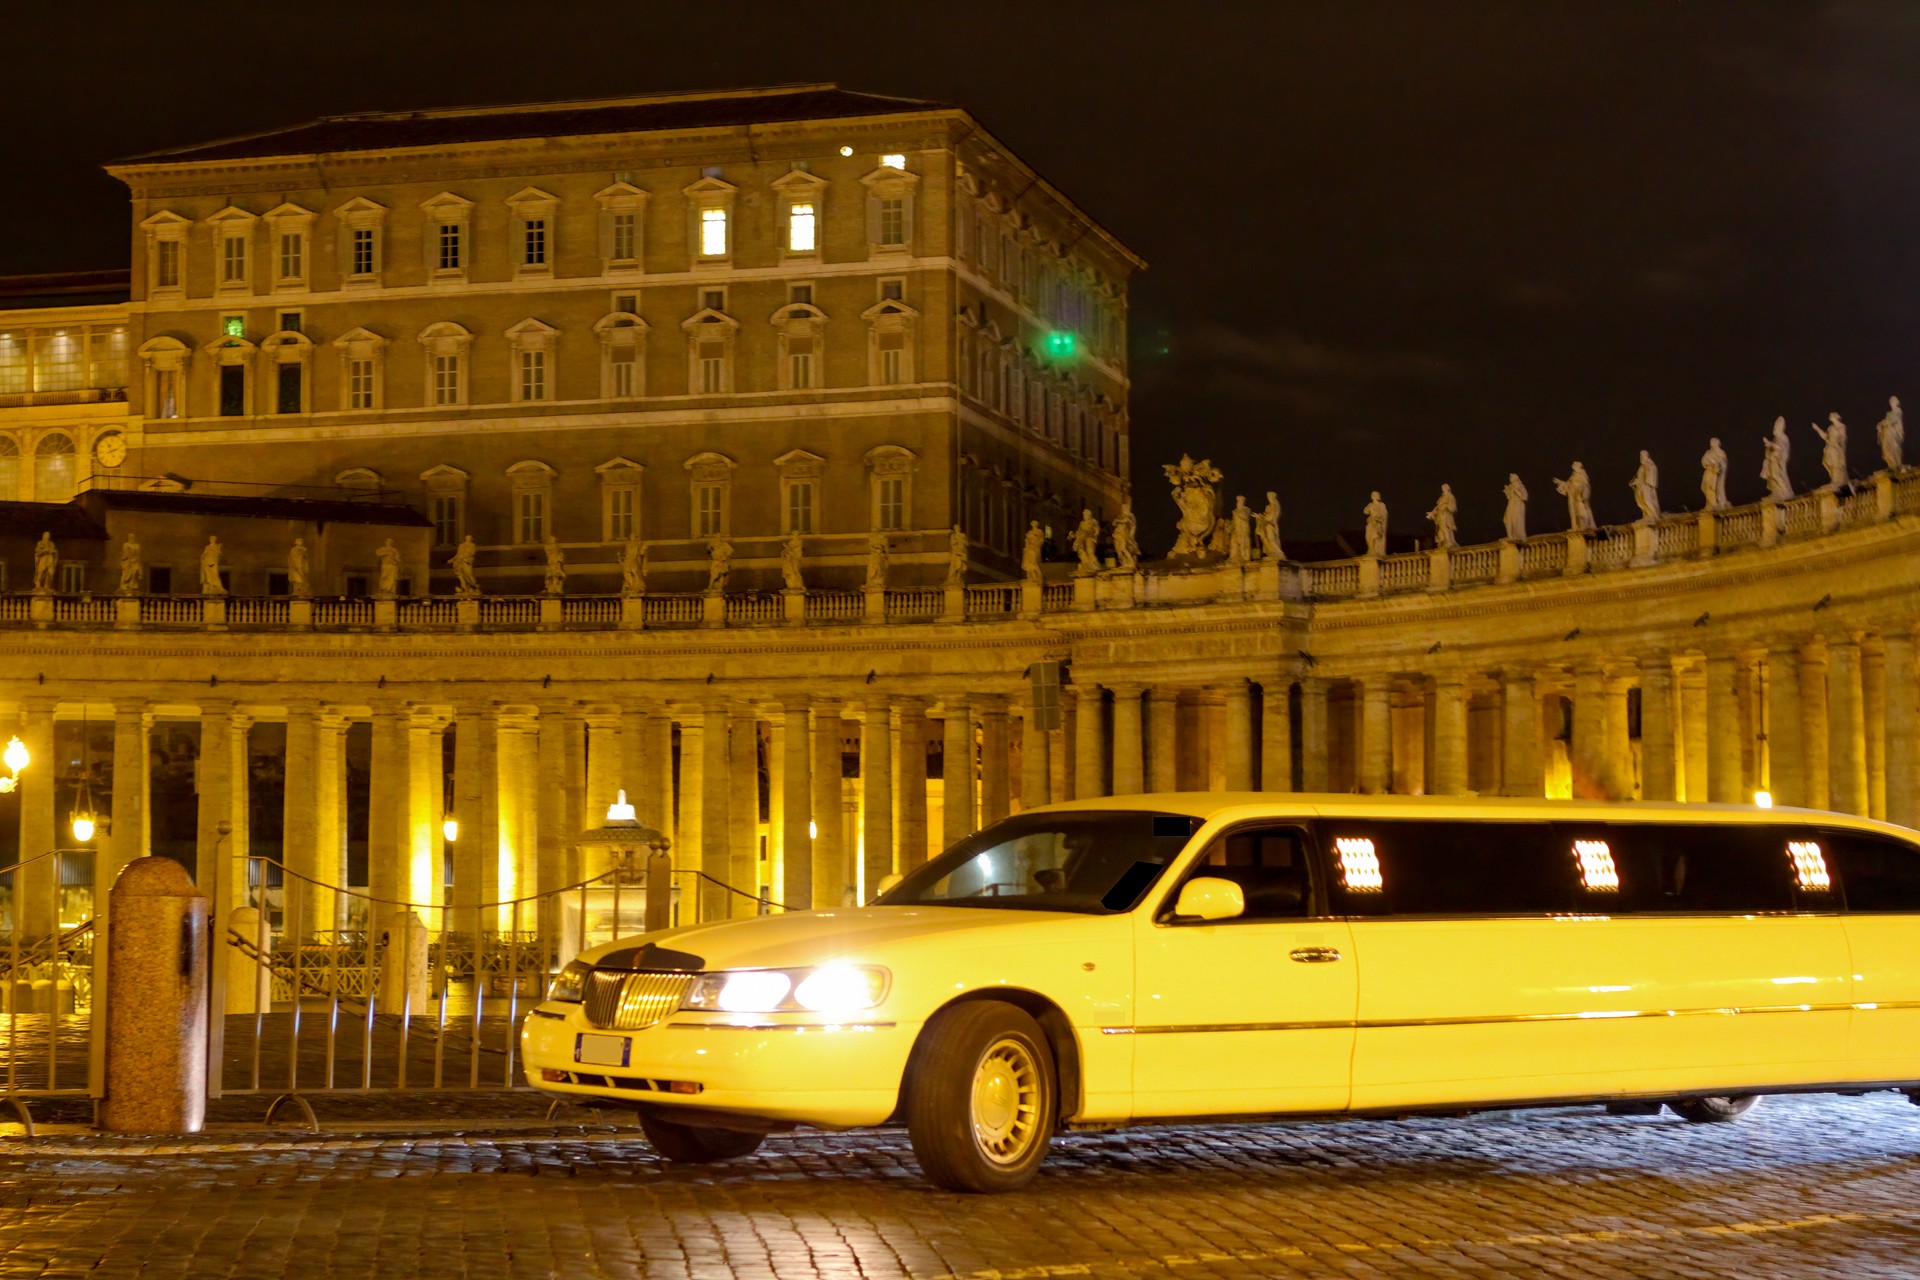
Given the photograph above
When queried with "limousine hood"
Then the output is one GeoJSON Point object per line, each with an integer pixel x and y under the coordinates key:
{"type": "Point", "coordinates": [798, 938]}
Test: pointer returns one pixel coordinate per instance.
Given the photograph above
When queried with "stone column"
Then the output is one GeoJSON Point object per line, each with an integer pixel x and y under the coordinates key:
{"type": "Point", "coordinates": [329, 817]}
{"type": "Point", "coordinates": [604, 762]}
{"type": "Point", "coordinates": [634, 722]}
{"type": "Point", "coordinates": [1723, 730]}
{"type": "Point", "coordinates": [1588, 751]}
{"type": "Point", "coordinates": [426, 763]}
{"type": "Point", "coordinates": [1376, 726]}
{"type": "Point", "coordinates": [910, 774]}
{"type": "Point", "coordinates": [1520, 763]}
{"type": "Point", "coordinates": [551, 835]}
{"type": "Point", "coordinates": [1659, 752]}
{"type": "Point", "coordinates": [830, 879]}
{"type": "Point", "coordinates": [956, 778]}
{"type": "Point", "coordinates": [796, 804]}
{"type": "Point", "coordinates": [1238, 712]}
{"type": "Point", "coordinates": [1449, 736]}
{"type": "Point", "coordinates": [1693, 731]}
{"type": "Point", "coordinates": [1313, 734]}
{"type": "Point", "coordinates": [1814, 734]}
{"type": "Point", "coordinates": [127, 838]}
{"type": "Point", "coordinates": [716, 857]}
{"type": "Point", "coordinates": [1786, 743]}
{"type": "Point", "coordinates": [1036, 763]}
{"type": "Point", "coordinates": [656, 771]}
{"type": "Point", "coordinates": [1873, 724]}
{"type": "Point", "coordinates": [876, 794]}
{"type": "Point", "coordinates": [387, 799]}
{"type": "Point", "coordinates": [1903, 732]}
{"type": "Point", "coordinates": [1846, 757]}
{"type": "Point", "coordinates": [213, 780]}
{"type": "Point", "coordinates": [35, 886]}
{"type": "Point", "coordinates": [996, 756]}
{"type": "Point", "coordinates": [743, 810]}
{"type": "Point", "coordinates": [1276, 736]}
{"type": "Point", "coordinates": [476, 805]}
{"type": "Point", "coordinates": [1089, 749]}
{"type": "Point", "coordinates": [573, 802]}
{"type": "Point", "coordinates": [1619, 751]}
{"type": "Point", "coordinates": [1129, 758]}
{"type": "Point", "coordinates": [1163, 759]}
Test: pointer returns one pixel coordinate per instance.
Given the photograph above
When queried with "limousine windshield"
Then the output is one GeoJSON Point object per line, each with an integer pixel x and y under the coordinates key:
{"type": "Point", "coordinates": [1095, 863]}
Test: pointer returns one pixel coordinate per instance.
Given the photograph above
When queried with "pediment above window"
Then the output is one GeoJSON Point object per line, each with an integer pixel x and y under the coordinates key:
{"type": "Point", "coordinates": [891, 308]}
{"type": "Point", "coordinates": [446, 205]}
{"type": "Point", "coordinates": [709, 187]}
{"type": "Point", "coordinates": [709, 467]}
{"type": "Point", "coordinates": [360, 209]}
{"type": "Point", "coordinates": [708, 319]}
{"type": "Point", "coordinates": [233, 219]}
{"type": "Point", "coordinates": [621, 471]}
{"type": "Point", "coordinates": [445, 331]}
{"type": "Point", "coordinates": [288, 213]}
{"type": "Point", "coordinates": [620, 320]}
{"type": "Point", "coordinates": [798, 464]}
{"type": "Point", "coordinates": [530, 334]}
{"type": "Point", "coordinates": [886, 181]}
{"type": "Point", "coordinates": [890, 460]}
{"type": "Point", "coordinates": [166, 219]}
{"type": "Point", "coordinates": [358, 478]}
{"type": "Point", "coordinates": [798, 311]}
{"type": "Point", "coordinates": [358, 339]}
{"type": "Point", "coordinates": [288, 345]}
{"type": "Point", "coordinates": [530, 474]}
{"type": "Point", "coordinates": [798, 182]}
{"type": "Point", "coordinates": [621, 195]}
{"type": "Point", "coordinates": [531, 197]}
{"type": "Point", "coordinates": [444, 478]}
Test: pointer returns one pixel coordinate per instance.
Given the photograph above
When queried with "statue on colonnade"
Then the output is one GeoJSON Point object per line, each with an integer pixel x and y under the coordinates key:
{"type": "Point", "coordinates": [633, 566]}
{"type": "Point", "coordinates": [1240, 531]}
{"type": "Point", "coordinates": [1578, 489]}
{"type": "Point", "coordinates": [792, 549]}
{"type": "Point", "coordinates": [210, 584]}
{"type": "Point", "coordinates": [1267, 526]}
{"type": "Point", "coordinates": [1126, 539]}
{"type": "Point", "coordinates": [1892, 431]}
{"type": "Point", "coordinates": [1199, 506]}
{"type": "Point", "coordinates": [719, 564]}
{"type": "Point", "coordinates": [464, 581]}
{"type": "Point", "coordinates": [1833, 450]}
{"type": "Point", "coordinates": [298, 568]}
{"type": "Point", "coordinates": [130, 567]}
{"type": "Point", "coordinates": [1713, 475]}
{"type": "Point", "coordinates": [1646, 488]}
{"type": "Point", "coordinates": [389, 581]}
{"type": "Point", "coordinates": [1086, 541]}
{"type": "Point", "coordinates": [1446, 518]}
{"type": "Point", "coordinates": [556, 577]}
{"type": "Point", "coordinates": [878, 558]}
{"type": "Point", "coordinates": [1516, 513]}
{"type": "Point", "coordinates": [1376, 513]}
{"type": "Point", "coordinates": [1773, 463]}
{"type": "Point", "coordinates": [1031, 550]}
{"type": "Point", "coordinates": [46, 559]}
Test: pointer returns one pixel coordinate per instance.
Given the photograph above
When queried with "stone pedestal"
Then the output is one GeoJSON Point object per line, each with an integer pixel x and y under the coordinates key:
{"type": "Point", "coordinates": [873, 606]}
{"type": "Point", "coordinates": [300, 611]}
{"type": "Point", "coordinates": [713, 609]}
{"type": "Point", "coordinates": [953, 603]}
{"type": "Point", "coordinates": [1883, 495]}
{"type": "Point", "coordinates": [1439, 569]}
{"type": "Point", "coordinates": [466, 612]}
{"type": "Point", "coordinates": [1708, 524]}
{"type": "Point", "coordinates": [793, 606]}
{"type": "Point", "coordinates": [1576, 554]}
{"type": "Point", "coordinates": [403, 965]}
{"type": "Point", "coordinates": [1827, 501]}
{"type": "Point", "coordinates": [213, 612]}
{"type": "Point", "coordinates": [386, 613]}
{"type": "Point", "coordinates": [1085, 592]}
{"type": "Point", "coordinates": [633, 613]}
{"type": "Point", "coordinates": [1032, 595]}
{"type": "Point", "coordinates": [1508, 567]}
{"type": "Point", "coordinates": [40, 608]}
{"type": "Point", "coordinates": [126, 612]}
{"type": "Point", "coordinates": [1643, 544]}
{"type": "Point", "coordinates": [1770, 522]}
{"type": "Point", "coordinates": [1369, 575]}
{"type": "Point", "coordinates": [156, 1002]}
{"type": "Point", "coordinates": [549, 613]}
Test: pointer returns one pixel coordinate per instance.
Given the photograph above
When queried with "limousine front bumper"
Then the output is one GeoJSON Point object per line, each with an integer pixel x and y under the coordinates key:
{"type": "Point", "coordinates": [796, 1068]}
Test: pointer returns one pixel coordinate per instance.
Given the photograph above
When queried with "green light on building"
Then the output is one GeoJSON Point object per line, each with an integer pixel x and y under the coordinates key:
{"type": "Point", "coordinates": [236, 326]}
{"type": "Point", "coordinates": [1060, 344]}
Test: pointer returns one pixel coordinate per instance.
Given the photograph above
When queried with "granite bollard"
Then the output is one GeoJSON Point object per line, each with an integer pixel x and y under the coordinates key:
{"type": "Point", "coordinates": [156, 1001]}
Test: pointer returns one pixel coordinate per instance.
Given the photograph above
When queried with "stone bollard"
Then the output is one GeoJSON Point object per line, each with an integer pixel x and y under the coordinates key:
{"type": "Point", "coordinates": [156, 1001]}
{"type": "Point", "coordinates": [249, 981]}
{"type": "Point", "coordinates": [403, 965]}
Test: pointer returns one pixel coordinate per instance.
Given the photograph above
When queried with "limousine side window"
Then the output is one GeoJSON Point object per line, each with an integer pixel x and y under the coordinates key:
{"type": "Point", "coordinates": [1412, 868]}
{"type": "Point", "coordinates": [1697, 868]}
{"type": "Point", "coordinates": [1268, 863]}
{"type": "Point", "coordinates": [1877, 874]}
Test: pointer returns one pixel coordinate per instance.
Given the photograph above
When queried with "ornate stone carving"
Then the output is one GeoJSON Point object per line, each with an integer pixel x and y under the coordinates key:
{"type": "Point", "coordinates": [1446, 518]}
{"type": "Point", "coordinates": [1031, 550]}
{"type": "Point", "coordinates": [1086, 542]}
{"type": "Point", "coordinates": [1193, 493]}
{"type": "Point", "coordinates": [1516, 513]}
{"type": "Point", "coordinates": [1833, 450]}
{"type": "Point", "coordinates": [958, 549]}
{"type": "Point", "coordinates": [1126, 539]}
{"type": "Point", "coordinates": [633, 567]}
{"type": "Point", "coordinates": [1267, 526]}
{"type": "Point", "coordinates": [210, 584]}
{"type": "Point", "coordinates": [389, 580]}
{"type": "Point", "coordinates": [1646, 488]}
{"type": "Point", "coordinates": [46, 559]}
{"type": "Point", "coordinates": [1773, 463]}
{"type": "Point", "coordinates": [792, 550]}
{"type": "Point", "coordinates": [556, 576]}
{"type": "Point", "coordinates": [1240, 531]}
{"type": "Point", "coordinates": [719, 564]}
{"type": "Point", "coordinates": [464, 581]}
{"type": "Point", "coordinates": [299, 568]}
{"type": "Point", "coordinates": [1713, 476]}
{"type": "Point", "coordinates": [130, 567]}
{"type": "Point", "coordinates": [1376, 513]}
{"type": "Point", "coordinates": [1892, 431]}
{"type": "Point", "coordinates": [1578, 488]}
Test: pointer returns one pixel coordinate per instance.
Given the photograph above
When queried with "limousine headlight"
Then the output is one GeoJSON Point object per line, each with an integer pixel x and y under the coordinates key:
{"type": "Point", "coordinates": [833, 989]}
{"type": "Point", "coordinates": [569, 984]}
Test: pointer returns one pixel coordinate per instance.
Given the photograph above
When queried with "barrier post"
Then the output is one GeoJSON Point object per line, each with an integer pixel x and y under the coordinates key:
{"type": "Point", "coordinates": [403, 965]}
{"type": "Point", "coordinates": [249, 983]}
{"type": "Point", "coordinates": [157, 1047]}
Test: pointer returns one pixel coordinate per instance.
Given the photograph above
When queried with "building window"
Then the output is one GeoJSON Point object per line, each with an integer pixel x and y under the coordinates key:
{"type": "Point", "coordinates": [530, 517]}
{"type": "Point", "coordinates": [890, 468]}
{"type": "Point", "coordinates": [800, 507]}
{"type": "Point", "coordinates": [9, 470]}
{"type": "Point", "coordinates": [287, 228]}
{"type": "Point", "coordinates": [233, 260]}
{"type": "Point", "coordinates": [889, 335]}
{"type": "Point", "coordinates": [620, 368]}
{"type": "Point", "coordinates": [891, 345]}
{"type": "Point", "coordinates": [623, 209]}
{"type": "Point", "coordinates": [711, 475]}
{"type": "Point", "coordinates": [620, 499]}
{"type": "Point", "coordinates": [54, 468]}
{"type": "Point", "coordinates": [165, 360]}
{"type": "Point", "coordinates": [446, 345]}
{"type": "Point", "coordinates": [800, 228]}
{"type": "Point", "coordinates": [73, 578]}
{"type": "Point", "coordinates": [893, 221]}
{"type": "Point", "coordinates": [362, 223]}
{"type": "Point", "coordinates": [621, 335]}
{"type": "Point", "coordinates": [893, 161]}
{"type": "Point", "coordinates": [713, 368]}
{"type": "Point", "coordinates": [362, 262]}
{"type": "Point", "coordinates": [288, 397]}
{"type": "Point", "coordinates": [890, 192]}
{"type": "Point", "coordinates": [622, 236]}
{"type": "Point", "coordinates": [802, 331]}
{"type": "Point", "coordinates": [534, 242]}
{"type": "Point", "coordinates": [532, 343]}
{"type": "Point", "coordinates": [285, 355]}
{"type": "Point", "coordinates": [800, 293]}
{"type": "Point", "coordinates": [446, 379]}
{"type": "Point", "coordinates": [233, 390]}
{"type": "Point", "coordinates": [799, 364]}
{"type": "Point", "coordinates": [449, 258]}
{"type": "Point", "coordinates": [713, 233]}
{"type": "Point", "coordinates": [444, 240]}
{"type": "Point", "coordinates": [713, 299]}
{"type": "Point", "coordinates": [893, 502]}
{"type": "Point", "coordinates": [444, 510]}
{"type": "Point", "coordinates": [620, 508]}
{"type": "Point", "coordinates": [166, 264]}
{"type": "Point", "coordinates": [535, 214]}
{"type": "Point", "coordinates": [360, 383]}
{"type": "Point", "coordinates": [233, 245]}
{"type": "Point", "coordinates": [533, 375]}
{"type": "Point", "coordinates": [893, 289]}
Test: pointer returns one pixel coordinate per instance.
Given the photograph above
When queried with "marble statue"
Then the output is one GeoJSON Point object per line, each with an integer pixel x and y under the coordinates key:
{"type": "Point", "coordinates": [1240, 531]}
{"type": "Point", "coordinates": [633, 567]}
{"type": "Point", "coordinates": [389, 556]}
{"type": "Point", "coordinates": [556, 577]}
{"type": "Point", "coordinates": [878, 558]}
{"type": "Point", "coordinates": [1892, 431]}
{"type": "Point", "coordinates": [210, 584]}
{"type": "Point", "coordinates": [1516, 514]}
{"type": "Point", "coordinates": [298, 568]}
{"type": "Point", "coordinates": [1713, 476]}
{"type": "Point", "coordinates": [1833, 450]}
{"type": "Point", "coordinates": [792, 551]}
{"type": "Point", "coordinates": [1267, 527]}
{"type": "Point", "coordinates": [1376, 513]}
{"type": "Point", "coordinates": [958, 552]}
{"type": "Point", "coordinates": [46, 559]}
{"type": "Point", "coordinates": [1199, 506]}
{"type": "Point", "coordinates": [1578, 488]}
{"type": "Point", "coordinates": [464, 581]}
{"type": "Point", "coordinates": [1031, 550]}
{"type": "Point", "coordinates": [1126, 539]}
{"type": "Point", "coordinates": [130, 568]}
{"type": "Point", "coordinates": [1773, 463]}
{"type": "Point", "coordinates": [1646, 488]}
{"type": "Point", "coordinates": [1086, 542]}
{"type": "Point", "coordinates": [1446, 518]}
{"type": "Point", "coordinates": [719, 563]}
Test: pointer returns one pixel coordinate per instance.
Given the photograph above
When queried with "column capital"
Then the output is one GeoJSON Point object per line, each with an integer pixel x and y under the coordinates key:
{"type": "Point", "coordinates": [1162, 693]}
{"type": "Point", "coordinates": [910, 704]}
{"type": "Point", "coordinates": [1126, 688]}
{"type": "Point", "coordinates": [796, 703]}
{"type": "Point", "coordinates": [988, 706]}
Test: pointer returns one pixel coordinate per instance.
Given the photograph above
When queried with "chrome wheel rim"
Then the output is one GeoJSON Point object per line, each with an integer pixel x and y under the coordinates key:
{"type": "Point", "coordinates": [1006, 1101]}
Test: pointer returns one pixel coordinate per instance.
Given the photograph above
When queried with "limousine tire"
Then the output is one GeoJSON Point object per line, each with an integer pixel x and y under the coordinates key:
{"type": "Point", "coordinates": [1714, 1110]}
{"type": "Point", "coordinates": [980, 1098]}
{"type": "Point", "coordinates": [697, 1143]}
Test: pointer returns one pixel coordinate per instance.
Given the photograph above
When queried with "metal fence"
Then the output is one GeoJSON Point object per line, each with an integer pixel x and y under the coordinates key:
{"type": "Point", "coordinates": [50, 968]}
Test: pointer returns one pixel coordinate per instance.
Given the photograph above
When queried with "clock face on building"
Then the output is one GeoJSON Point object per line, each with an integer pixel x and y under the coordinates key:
{"type": "Point", "coordinates": [110, 450]}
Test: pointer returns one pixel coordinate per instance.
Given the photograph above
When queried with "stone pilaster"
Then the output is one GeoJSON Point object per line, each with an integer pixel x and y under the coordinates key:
{"type": "Point", "coordinates": [796, 803]}
{"type": "Point", "coordinates": [1873, 723]}
{"type": "Point", "coordinates": [1313, 734]}
{"type": "Point", "coordinates": [1814, 732]}
{"type": "Point", "coordinates": [830, 862]}
{"type": "Point", "coordinates": [213, 780]}
{"type": "Point", "coordinates": [1693, 732]}
{"type": "Point", "coordinates": [1089, 747]}
{"type": "Point", "coordinates": [128, 838]}
{"type": "Point", "coordinates": [476, 805]}
{"type": "Point", "coordinates": [1376, 733]}
{"type": "Point", "coordinates": [876, 795]}
{"type": "Point", "coordinates": [1587, 752]}
{"type": "Point", "coordinates": [387, 802]}
{"type": "Point", "coordinates": [1659, 749]}
{"type": "Point", "coordinates": [1163, 759]}
{"type": "Point", "coordinates": [996, 755]}
{"type": "Point", "coordinates": [1903, 731]}
{"type": "Point", "coordinates": [1036, 767]}
{"type": "Point", "coordinates": [956, 781]}
{"type": "Point", "coordinates": [1276, 736]}
{"type": "Point", "coordinates": [910, 777]}
{"type": "Point", "coordinates": [716, 857]}
{"type": "Point", "coordinates": [1520, 763]}
{"type": "Point", "coordinates": [1449, 736]}
{"type": "Point", "coordinates": [1786, 740]}
{"type": "Point", "coordinates": [1237, 712]}
{"type": "Point", "coordinates": [1129, 760]}
{"type": "Point", "coordinates": [1846, 754]}
{"type": "Point", "coordinates": [1724, 781]}
{"type": "Point", "coordinates": [743, 810]}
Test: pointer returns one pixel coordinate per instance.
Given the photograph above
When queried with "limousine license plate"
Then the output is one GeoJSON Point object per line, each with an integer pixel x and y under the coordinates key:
{"type": "Point", "coordinates": [601, 1051]}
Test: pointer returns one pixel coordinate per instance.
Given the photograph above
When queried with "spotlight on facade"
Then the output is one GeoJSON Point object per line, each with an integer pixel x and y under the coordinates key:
{"type": "Point", "coordinates": [1763, 799]}
{"type": "Point", "coordinates": [450, 828]}
{"type": "Point", "coordinates": [620, 810]}
{"type": "Point", "coordinates": [846, 151]}
{"type": "Point", "coordinates": [16, 757]}
{"type": "Point", "coordinates": [813, 829]}
{"type": "Point", "coordinates": [82, 827]}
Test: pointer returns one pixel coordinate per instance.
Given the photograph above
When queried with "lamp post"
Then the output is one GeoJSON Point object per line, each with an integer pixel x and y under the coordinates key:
{"type": "Point", "coordinates": [638, 855]}
{"type": "Point", "coordinates": [16, 758]}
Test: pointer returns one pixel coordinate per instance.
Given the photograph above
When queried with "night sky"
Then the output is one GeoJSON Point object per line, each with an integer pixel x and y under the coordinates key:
{"type": "Point", "coordinates": [1392, 243]}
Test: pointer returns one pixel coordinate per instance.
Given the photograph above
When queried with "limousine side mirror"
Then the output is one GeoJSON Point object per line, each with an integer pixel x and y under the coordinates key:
{"type": "Point", "coordinates": [889, 882]}
{"type": "Point", "coordinates": [1210, 898]}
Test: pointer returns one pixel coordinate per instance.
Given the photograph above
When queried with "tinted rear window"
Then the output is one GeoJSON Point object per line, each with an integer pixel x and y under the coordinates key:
{"type": "Point", "coordinates": [1445, 868]}
{"type": "Point", "coordinates": [1876, 873]}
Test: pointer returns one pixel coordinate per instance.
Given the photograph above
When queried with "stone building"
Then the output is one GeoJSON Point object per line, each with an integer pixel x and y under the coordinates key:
{"type": "Point", "coordinates": [412, 329]}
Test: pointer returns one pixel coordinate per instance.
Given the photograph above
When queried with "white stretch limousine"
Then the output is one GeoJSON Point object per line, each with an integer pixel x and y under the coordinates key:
{"type": "Point", "coordinates": [1165, 957]}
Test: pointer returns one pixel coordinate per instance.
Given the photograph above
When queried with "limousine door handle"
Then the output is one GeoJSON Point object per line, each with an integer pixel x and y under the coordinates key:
{"type": "Point", "coordinates": [1314, 955]}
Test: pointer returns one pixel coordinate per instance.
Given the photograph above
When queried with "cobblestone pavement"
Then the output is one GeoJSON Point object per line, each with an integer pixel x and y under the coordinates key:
{"type": "Point", "coordinates": [1801, 1187]}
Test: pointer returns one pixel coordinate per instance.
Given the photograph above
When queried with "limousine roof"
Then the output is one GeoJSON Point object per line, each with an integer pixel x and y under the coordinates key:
{"type": "Point", "coordinates": [1208, 805]}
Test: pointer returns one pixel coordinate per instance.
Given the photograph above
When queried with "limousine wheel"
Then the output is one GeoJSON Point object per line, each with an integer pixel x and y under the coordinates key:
{"type": "Point", "coordinates": [980, 1101]}
{"type": "Point", "coordinates": [1714, 1110]}
{"type": "Point", "coordinates": [696, 1143]}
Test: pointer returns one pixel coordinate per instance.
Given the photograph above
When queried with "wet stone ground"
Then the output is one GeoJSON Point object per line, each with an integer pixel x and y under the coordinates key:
{"type": "Point", "coordinates": [1800, 1187]}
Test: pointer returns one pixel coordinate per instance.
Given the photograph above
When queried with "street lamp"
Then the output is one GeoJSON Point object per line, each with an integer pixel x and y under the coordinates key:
{"type": "Point", "coordinates": [450, 828]}
{"type": "Point", "coordinates": [16, 758]}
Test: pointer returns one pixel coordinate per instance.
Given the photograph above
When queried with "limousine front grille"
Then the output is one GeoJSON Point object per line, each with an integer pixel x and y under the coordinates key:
{"type": "Point", "coordinates": [633, 1001]}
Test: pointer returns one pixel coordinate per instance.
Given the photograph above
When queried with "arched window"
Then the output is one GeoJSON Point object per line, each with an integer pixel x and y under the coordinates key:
{"type": "Point", "coordinates": [54, 469]}
{"type": "Point", "coordinates": [9, 470]}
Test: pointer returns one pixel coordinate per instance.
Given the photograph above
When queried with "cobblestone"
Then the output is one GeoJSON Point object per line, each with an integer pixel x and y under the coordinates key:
{"type": "Point", "coordinates": [1802, 1187]}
